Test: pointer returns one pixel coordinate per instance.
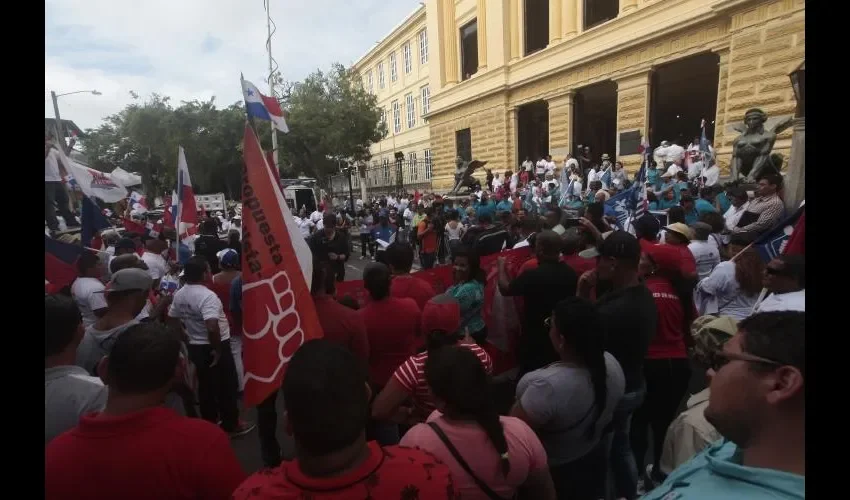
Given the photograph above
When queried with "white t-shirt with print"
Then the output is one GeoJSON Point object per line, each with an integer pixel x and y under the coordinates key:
{"type": "Point", "coordinates": [88, 294]}
{"type": "Point", "coordinates": [157, 267]}
{"type": "Point", "coordinates": [195, 304]}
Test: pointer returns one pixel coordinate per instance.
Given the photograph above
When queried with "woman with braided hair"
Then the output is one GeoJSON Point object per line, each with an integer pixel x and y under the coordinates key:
{"type": "Point", "coordinates": [490, 457]}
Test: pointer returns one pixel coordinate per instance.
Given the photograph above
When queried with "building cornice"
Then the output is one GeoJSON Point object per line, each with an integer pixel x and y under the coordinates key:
{"type": "Point", "coordinates": [388, 41]}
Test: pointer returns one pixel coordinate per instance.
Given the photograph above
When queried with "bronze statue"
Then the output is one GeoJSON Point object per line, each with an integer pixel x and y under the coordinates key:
{"type": "Point", "coordinates": [751, 150]}
{"type": "Point", "coordinates": [463, 175]}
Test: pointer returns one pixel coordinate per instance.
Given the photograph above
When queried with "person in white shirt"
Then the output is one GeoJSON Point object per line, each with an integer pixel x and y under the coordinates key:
{"type": "Point", "coordinates": [69, 391]}
{"type": "Point", "coordinates": [675, 153]}
{"type": "Point", "coordinates": [202, 314]}
{"type": "Point", "coordinates": [705, 253]}
{"type": "Point", "coordinates": [540, 169]}
{"type": "Point", "coordinates": [87, 290]}
{"type": "Point", "coordinates": [785, 279]}
{"type": "Point", "coordinates": [675, 168]}
{"type": "Point", "coordinates": [497, 182]}
{"type": "Point", "coordinates": [593, 175]}
{"type": "Point", "coordinates": [733, 287]}
{"type": "Point", "coordinates": [527, 165]}
{"type": "Point", "coordinates": [157, 266]}
{"type": "Point", "coordinates": [55, 194]}
{"type": "Point", "coordinates": [550, 165]}
{"type": "Point", "coordinates": [317, 215]}
{"type": "Point", "coordinates": [305, 225]}
{"type": "Point", "coordinates": [711, 175]}
{"type": "Point", "coordinates": [740, 201]}
{"type": "Point", "coordinates": [695, 167]}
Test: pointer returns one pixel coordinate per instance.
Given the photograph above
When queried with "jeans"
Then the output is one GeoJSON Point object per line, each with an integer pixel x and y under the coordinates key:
{"type": "Point", "coordinates": [267, 430]}
{"type": "Point", "coordinates": [216, 385]}
{"type": "Point", "coordinates": [666, 384]}
{"type": "Point", "coordinates": [366, 244]}
{"type": "Point", "coordinates": [584, 478]}
{"type": "Point", "coordinates": [623, 466]}
{"type": "Point", "coordinates": [427, 260]}
{"type": "Point", "coordinates": [55, 192]}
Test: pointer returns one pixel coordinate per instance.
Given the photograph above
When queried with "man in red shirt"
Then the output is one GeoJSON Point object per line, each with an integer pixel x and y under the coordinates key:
{"type": "Point", "coordinates": [340, 324]}
{"type": "Point", "coordinates": [144, 449]}
{"type": "Point", "coordinates": [427, 235]}
{"type": "Point", "coordinates": [327, 403]}
{"type": "Point", "coordinates": [392, 325]}
{"type": "Point", "coordinates": [404, 285]}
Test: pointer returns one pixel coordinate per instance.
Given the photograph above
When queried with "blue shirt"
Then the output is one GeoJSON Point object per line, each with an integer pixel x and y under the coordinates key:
{"type": "Point", "coordinates": [724, 202]}
{"type": "Point", "coordinates": [717, 472]}
{"type": "Point", "coordinates": [691, 217]}
{"type": "Point", "coordinates": [504, 206]}
{"type": "Point", "coordinates": [704, 206]}
{"type": "Point", "coordinates": [236, 299]}
{"type": "Point", "coordinates": [488, 208]}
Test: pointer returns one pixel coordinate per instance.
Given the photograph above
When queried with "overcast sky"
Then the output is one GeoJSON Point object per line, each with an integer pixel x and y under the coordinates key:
{"type": "Point", "coordinates": [189, 49]}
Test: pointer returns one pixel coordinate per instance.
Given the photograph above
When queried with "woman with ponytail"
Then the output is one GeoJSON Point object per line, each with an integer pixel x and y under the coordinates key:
{"type": "Point", "coordinates": [490, 457]}
{"type": "Point", "coordinates": [570, 403]}
{"type": "Point", "coordinates": [441, 326]}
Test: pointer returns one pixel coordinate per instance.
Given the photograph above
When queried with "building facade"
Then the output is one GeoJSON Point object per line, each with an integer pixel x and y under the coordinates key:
{"type": "Point", "coordinates": [397, 71]}
{"type": "Point", "coordinates": [516, 78]}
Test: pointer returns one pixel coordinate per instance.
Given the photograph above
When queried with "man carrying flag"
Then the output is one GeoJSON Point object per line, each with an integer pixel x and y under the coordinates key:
{"type": "Point", "coordinates": [186, 214]}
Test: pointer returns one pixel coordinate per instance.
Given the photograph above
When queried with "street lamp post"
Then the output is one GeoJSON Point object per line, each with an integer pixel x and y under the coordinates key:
{"type": "Point", "coordinates": [59, 129]}
{"type": "Point", "coordinates": [795, 180]}
{"type": "Point", "coordinates": [350, 170]}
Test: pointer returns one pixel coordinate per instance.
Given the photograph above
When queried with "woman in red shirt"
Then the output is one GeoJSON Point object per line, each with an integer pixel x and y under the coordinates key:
{"type": "Point", "coordinates": [666, 369]}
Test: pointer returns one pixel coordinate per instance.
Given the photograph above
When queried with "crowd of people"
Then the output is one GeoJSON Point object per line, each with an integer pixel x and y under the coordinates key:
{"type": "Point", "coordinates": [402, 397]}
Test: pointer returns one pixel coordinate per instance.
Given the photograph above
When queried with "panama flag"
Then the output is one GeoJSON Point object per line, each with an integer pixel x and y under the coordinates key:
{"type": "Point", "coordinates": [263, 107]}
{"type": "Point", "coordinates": [138, 201]}
{"type": "Point", "coordinates": [186, 213]}
{"type": "Point", "coordinates": [277, 266]}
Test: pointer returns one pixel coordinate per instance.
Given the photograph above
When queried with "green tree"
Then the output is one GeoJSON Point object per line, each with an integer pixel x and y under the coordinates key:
{"type": "Point", "coordinates": [330, 115]}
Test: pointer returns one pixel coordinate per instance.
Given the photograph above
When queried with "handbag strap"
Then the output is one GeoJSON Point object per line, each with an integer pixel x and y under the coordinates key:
{"type": "Point", "coordinates": [481, 484]}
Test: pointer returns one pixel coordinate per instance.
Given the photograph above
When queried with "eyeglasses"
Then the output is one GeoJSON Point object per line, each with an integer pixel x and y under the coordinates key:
{"type": "Point", "coordinates": [719, 359]}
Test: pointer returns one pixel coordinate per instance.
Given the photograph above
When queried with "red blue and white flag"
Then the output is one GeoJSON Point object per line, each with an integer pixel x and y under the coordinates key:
{"type": "Point", "coordinates": [138, 201]}
{"type": "Point", "coordinates": [263, 107]}
{"type": "Point", "coordinates": [186, 213]}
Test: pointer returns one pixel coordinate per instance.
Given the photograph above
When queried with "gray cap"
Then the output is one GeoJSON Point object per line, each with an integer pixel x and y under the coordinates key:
{"type": "Point", "coordinates": [130, 279]}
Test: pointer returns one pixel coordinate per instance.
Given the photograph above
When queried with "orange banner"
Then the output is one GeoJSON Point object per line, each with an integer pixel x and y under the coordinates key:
{"type": "Point", "coordinates": [277, 309]}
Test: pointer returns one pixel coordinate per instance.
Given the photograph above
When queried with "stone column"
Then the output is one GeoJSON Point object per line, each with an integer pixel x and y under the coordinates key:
{"type": "Point", "coordinates": [560, 124]}
{"type": "Point", "coordinates": [628, 6]}
{"type": "Point", "coordinates": [511, 140]}
{"type": "Point", "coordinates": [632, 112]}
{"type": "Point", "coordinates": [482, 35]}
{"type": "Point", "coordinates": [795, 177]}
{"type": "Point", "coordinates": [569, 19]}
{"type": "Point", "coordinates": [450, 36]}
{"type": "Point", "coordinates": [514, 29]}
{"type": "Point", "coordinates": [555, 21]}
{"type": "Point", "coordinates": [722, 147]}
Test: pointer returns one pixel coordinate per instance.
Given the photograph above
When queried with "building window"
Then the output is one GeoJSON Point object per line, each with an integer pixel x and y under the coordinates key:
{"type": "Point", "coordinates": [393, 68]}
{"type": "Point", "coordinates": [396, 118]}
{"type": "Point", "coordinates": [371, 82]}
{"type": "Point", "coordinates": [384, 121]}
{"type": "Point", "coordinates": [426, 100]}
{"type": "Point", "coordinates": [411, 166]}
{"type": "Point", "coordinates": [408, 58]}
{"type": "Point", "coordinates": [385, 172]}
{"type": "Point", "coordinates": [597, 12]}
{"type": "Point", "coordinates": [381, 81]}
{"type": "Point", "coordinates": [463, 144]}
{"type": "Point", "coordinates": [410, 108]}
{"type": "Point", "coordinates": [469, 49]}
{"type": "Point", "coordinates": [423, 47]}
{"type": "Point", "coordinates": [536, 25]}
{"type": "Point", "coordinates": [427, 155]}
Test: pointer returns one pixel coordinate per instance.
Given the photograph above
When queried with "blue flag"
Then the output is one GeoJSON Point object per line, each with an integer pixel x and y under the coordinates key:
{"type": "Point", "coordinates": [769, 244]}
{"type": "Point", "coordinates": [91, 221]}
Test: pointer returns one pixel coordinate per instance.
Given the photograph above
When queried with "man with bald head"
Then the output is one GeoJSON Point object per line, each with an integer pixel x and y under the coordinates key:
{"type": "Point", "coordinates": [542, 288]}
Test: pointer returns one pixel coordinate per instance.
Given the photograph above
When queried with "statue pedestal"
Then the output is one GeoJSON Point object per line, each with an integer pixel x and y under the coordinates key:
{"type": "Point", "coordinates": [795, 178]}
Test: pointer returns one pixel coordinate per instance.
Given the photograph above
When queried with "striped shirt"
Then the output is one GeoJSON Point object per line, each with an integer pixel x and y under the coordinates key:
{"type": "Point", "coordinates": [411, 376]}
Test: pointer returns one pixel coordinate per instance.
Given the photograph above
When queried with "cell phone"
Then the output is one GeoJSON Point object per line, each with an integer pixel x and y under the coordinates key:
{"type": "Point", "coordinates": [571, 222]}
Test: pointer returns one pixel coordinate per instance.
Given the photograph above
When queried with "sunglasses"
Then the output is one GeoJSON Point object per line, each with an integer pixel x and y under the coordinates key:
{"type": "Point", "coordinates": [774, 272]}
{"type": "Point", "coordinates": [719, 359]}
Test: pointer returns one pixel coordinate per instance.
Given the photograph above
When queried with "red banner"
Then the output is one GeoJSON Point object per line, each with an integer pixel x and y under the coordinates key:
{"type": "Point", "coordinates": [278, 311]}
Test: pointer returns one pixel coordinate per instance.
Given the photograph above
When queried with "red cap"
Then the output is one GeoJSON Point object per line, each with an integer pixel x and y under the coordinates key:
{"type": "Point", "coordinates": [441, 313]}
{"type": "Point", "coordinates": [666, 257]}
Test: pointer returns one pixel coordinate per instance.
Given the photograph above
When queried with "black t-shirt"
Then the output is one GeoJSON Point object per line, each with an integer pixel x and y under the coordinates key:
{"type": "Point", "coordinates": [321, 246]}
{"type": "Point", "coordinates": [630, 320]}
{"type": "Point", "coordinates": [541, 288]}
{"type": "Point", "coordinates": [208, 246]}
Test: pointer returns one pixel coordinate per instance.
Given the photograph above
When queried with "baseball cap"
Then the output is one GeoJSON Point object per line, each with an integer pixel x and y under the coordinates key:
{"type": "Point", "coordinates": [681, 228]}
{"type": "Point", "coordinates": [710, 333]}
{"type": "Point", "coordinates": [125, 244]}
{"type": "Point", "coordinates": [665, 257]}
{"type": "Point", "coordinates": [647, 224]}
{"type": "Point", "coordinates": [228, 257]}
{"type": "Point", "coordinates": [130, 279]}
{"type": "Point", "coordinates": [441, 313]}
{"type": "Point", "coordinates": [620, 245]}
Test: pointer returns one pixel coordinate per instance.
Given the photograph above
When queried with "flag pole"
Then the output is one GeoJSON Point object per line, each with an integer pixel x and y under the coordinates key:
{"type": "Point", "coordinates": [272, 93]}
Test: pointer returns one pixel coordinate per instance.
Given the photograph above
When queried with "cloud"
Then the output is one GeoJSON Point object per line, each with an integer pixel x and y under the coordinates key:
{"type": "Point", "coordinates": [196, 49]}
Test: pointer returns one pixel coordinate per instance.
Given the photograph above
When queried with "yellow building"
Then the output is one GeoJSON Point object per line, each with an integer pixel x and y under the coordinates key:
{"type": "Point", "coordinates": [516, 78]}
{"type": "Point", "coordinates": [397, 70]}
